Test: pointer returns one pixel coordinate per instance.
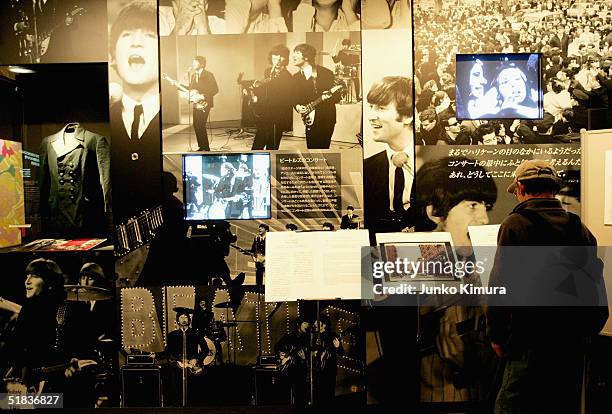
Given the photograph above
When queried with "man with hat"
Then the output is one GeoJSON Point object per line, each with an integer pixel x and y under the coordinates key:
{"type": "Point", "coordinates": [543, 346]}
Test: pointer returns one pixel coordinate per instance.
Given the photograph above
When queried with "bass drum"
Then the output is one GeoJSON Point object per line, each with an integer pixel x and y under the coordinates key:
{"type": "Point", "coordinates": [211, 356]}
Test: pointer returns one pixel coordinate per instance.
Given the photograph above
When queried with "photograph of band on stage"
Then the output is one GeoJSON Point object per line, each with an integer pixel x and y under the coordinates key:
{"type": "Point", "coordinates": [220, 346]}
{"type": "Point", "coordinates": [274, 91]}
{"type": "Point", "coordinates": [59, 330]}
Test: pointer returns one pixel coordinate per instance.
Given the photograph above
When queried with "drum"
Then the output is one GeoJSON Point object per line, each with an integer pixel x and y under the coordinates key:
{"type": "Point", "coordinates": [217, 332]}
{"type": "Point", "coordinates": [210, 357]}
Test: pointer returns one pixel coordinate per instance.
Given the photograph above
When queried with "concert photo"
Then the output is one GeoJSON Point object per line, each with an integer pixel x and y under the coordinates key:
{"type": "Point", "coordinates": [52, 31]}
{"type": "Point", "coordinates": [227, 187]}
{"type": "Point", "coordinates": [203, 346]}
{"type": "Point", "coordinates": [59, 330]}
{"type": "Point", "coordinates": [263, 94]}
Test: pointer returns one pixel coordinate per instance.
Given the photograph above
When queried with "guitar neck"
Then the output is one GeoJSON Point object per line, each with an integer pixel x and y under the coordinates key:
{"type": "Point", "coordinates": [138, 230]}
{"type": "Point", "coordinates": [41, 373]}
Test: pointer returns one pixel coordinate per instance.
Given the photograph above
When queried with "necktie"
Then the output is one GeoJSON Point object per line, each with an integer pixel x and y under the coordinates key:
{"type": "Point", "coordinates": [399, 160]}
{"type": "Point", "coordinates": [136, 121]}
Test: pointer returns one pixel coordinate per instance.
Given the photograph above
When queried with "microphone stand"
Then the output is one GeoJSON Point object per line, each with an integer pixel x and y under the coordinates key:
{"type": "Point", "coordinates": [191, 108]}
{"type": "Point", "coordinates": [184, 331]}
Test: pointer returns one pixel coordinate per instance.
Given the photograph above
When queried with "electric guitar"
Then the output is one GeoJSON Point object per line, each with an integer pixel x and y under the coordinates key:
{"type": "Point", "coordinates": [38, 376]}
{"type": "Point", "coordinates": [191, 95]}
{"type": "Point", "coordinates": [309, 110]}
{"type": "Point", "coordinates": [138, 231]}
{"type": "Point", "coordinates": [45, 38]}
{"type": "Point", "coordinates": [257, 257]}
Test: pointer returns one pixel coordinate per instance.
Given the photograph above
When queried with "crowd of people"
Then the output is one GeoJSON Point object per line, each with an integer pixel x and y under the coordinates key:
{"type": "Point", "coordinates": [576, 61]}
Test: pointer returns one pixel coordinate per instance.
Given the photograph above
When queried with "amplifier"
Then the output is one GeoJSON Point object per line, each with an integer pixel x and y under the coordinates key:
{"type": "Point", "coordinates": [267, 389]}
{"type": "Point", "coordinates": [141, 386]}
{"type": "Point", "coordinates": [141, 359]}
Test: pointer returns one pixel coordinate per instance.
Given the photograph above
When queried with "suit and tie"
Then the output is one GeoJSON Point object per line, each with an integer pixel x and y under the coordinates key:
{"type": "Point", "coordinates": [386, 211]}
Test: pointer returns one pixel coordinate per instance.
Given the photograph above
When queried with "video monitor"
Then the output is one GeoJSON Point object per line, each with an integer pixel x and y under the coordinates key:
{"type": "Point", "coordinates": [499, 86]}
{"type": "Point", "coordinates": [226, 186]}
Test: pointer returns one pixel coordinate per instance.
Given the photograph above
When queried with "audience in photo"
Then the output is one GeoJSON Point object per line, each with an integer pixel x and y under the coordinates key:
{"type": "Point", "coordinates": [576, 67]}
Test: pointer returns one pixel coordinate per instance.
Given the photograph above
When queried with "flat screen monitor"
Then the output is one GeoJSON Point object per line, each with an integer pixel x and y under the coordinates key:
{"type": "Point", "coordinates": [226, 186]}
{"type": "Point", "coordinates": [499, 86]}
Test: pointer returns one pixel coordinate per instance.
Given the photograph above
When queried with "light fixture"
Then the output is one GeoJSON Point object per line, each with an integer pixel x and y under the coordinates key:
{"type": "Point", "coordinates": [20, 69]}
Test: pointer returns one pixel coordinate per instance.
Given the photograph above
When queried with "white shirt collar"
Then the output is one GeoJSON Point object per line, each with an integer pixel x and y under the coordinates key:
{"type": "Point", "coordinates": [308, 71]}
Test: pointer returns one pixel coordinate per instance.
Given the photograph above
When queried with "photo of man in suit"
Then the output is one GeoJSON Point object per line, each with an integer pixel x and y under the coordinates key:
{"type": "Point", "coordinates": [350, 220]}
{"type": "Point", "coordinates": [203, 82]}
{"type": "Point", "coordinates": [134, 114]}
{"type": "Point", "coordinates": [389, 174]}
{"type": "Point", "coordinates": [311, 83]}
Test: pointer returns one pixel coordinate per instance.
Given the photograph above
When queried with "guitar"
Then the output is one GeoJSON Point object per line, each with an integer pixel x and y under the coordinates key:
{"type": "Point", "coordinates": [308, 112]}
{"type": "Point", "coordinates": [192, 366]}
{"type": "Point", "coordinates": [191, 95]}
{"type": "Point", "coordinates": [9, 306]}
{"type": "Point", "coordinates": [138, 231]}
{"type": "Point", "coordinates": [38, 376]}
{"type": "Point", "coordinates": [45, 38]}
{"type": "Point", "coordinates": [257, 257]}
{"type": "Point", "coordinates": [250, 85]}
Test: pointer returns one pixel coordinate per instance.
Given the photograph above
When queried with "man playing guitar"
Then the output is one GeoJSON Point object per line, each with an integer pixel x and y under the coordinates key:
{"type": "Point", "coordinates": [204, 83]}
{"type": "Point", "coordinates": [315, 84]}
{"type": "Point", "coordinates": [184, 351]}
{"type": "Point", "coordinates": [258, 249]}
{"type": "Point", "coordinates": [47, 338]}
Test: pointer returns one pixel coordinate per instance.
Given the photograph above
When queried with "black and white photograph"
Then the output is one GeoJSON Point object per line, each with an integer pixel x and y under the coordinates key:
{"type": "Point", "coordinates": [573, 45]}
{"type": "Point", "coordinates": [201, 17]}
{"type": "Point", "coordinates": [227, 187]}
{"type": "Point", "coordinates": [239, 348]}
{"type": "Point", "coordinates": [52, 31]}
{"type": "Point", "coordinates": [133, 86]}
{"type": "Point", "coordinates": [504, 86]}
{"type": "Point", "coordinates": [386, 14]}
{"type": "Point", "coordinates": [59, 331]}
{"type": "Point", "coordinates": [388, 137]}
{"type": "Point", "coordinates": [274, 91]}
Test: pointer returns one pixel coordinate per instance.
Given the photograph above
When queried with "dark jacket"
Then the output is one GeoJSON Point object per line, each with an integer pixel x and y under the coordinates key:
{"type": "Point", "coordinates": [304, 92]}
{"type": "Point", "coordinates": [206, 85]}
{"type": "Point", "coordinates": [136, 169]}
{"type": "Point", "coordinates": [347, 223]}
{"type": "Point", "coordinates": [521, 327]}
{"type": "Point", "coordinates": [75, 187]}
{"type": "Point", "coordinates": [378, 215]}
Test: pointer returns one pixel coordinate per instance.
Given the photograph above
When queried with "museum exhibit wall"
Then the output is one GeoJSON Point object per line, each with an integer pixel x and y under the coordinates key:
{"type": "Point", "coordinates": [90, 63]}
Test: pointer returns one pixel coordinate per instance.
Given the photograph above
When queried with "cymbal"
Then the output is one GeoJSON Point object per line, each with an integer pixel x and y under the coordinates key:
{"type": "Point", "coordinates": [224, 305]}
{"type": "Point", "coordinates": [85, 293]}
{"type": "Point", "coordinates": [228, 324]}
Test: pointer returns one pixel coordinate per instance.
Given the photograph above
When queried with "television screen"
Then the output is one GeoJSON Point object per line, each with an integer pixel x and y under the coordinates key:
{"type": "Point", "coordinates": [499, 86]}
{"type": "Point", "coordinates": [226, 186]}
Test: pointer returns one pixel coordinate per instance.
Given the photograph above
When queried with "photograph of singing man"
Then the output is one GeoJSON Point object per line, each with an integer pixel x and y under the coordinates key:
{"type": "Point", "coordinates": [134, 112]}
{"type": "Point", "coordinates": [272, 101]}
{"type": "Point", "coordinates": [204, 83]}
{"type": "Point", "coordinates": [312, 84]}
{"type": "Point", "coordinates": [50, 332]}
